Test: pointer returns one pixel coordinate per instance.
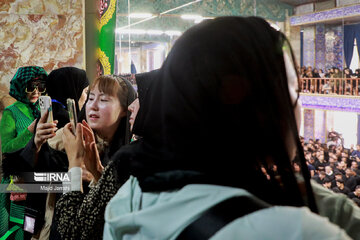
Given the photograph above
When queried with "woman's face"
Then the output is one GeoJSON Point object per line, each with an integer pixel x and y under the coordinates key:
{"type": "Point", "coordinates": [33, 96]}
{"type": "Point", "coordinates": [133, 108]}
{"type": "Point", "coordinates": [34, 89]}
{"type": "Point", "coordinates": [103, 113]}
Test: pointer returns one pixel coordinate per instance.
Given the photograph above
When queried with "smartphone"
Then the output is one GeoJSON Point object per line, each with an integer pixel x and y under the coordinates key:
{"type": "Point", "coordinates": [72, 114]}
{"type": "Point", "coordinates": [31, 216]}
{"type": "Point", "coordinates": [45, 104]}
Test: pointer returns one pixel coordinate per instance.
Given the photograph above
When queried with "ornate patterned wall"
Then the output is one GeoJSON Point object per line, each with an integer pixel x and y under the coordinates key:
{"type": "Point", "coordinates": [309, 47]}
{"type": "Point", "coordinates": [48, 33]}
{"type": "Point", "coordinates": [332, 14]}
{"type": "Point", "coordinates": [309, 121]}
{"type": "Point", "coordinates": [320, 46]}
{"type": "Point", "coordinates": [331, 102]}
{"type": "Point", "coordinates": [320, 125]}
{"type": "Point", "coordinates": [323, 46]}
{"type": "Point", "coordinates": [334, 46]}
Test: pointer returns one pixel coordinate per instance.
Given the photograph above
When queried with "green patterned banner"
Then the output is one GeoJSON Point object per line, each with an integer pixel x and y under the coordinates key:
{"type": "Point", "coordinates": [106, 26]}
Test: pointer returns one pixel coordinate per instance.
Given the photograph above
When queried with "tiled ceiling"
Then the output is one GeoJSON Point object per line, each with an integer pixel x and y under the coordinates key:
{"type": "Point", "coordinates": [300, 2]}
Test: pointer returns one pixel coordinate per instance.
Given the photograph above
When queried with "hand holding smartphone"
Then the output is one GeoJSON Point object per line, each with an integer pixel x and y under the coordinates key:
{"type": "Point", "coordinates": [45, 104]}
{"type": "Point", "coordinates": [72, 114]}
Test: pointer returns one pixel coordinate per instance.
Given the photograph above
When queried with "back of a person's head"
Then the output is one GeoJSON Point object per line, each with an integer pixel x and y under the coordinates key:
{"type": "Point", "coordinates": [231, 76]}
{"type": "Point", "coordinates": [143, 82]}
{"type": "Point", "coordinates": [66, 82]}
{"type": "Point", "coordinates": [327, 179]}
{"type": "Point", "coordinates": [223, 89]}
{"type": "Point", "coordinates": [340, 181]}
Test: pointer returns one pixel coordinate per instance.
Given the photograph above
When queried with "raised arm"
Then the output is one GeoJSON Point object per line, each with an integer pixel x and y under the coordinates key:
{"type": "Point", "coordinates": [81, 216]}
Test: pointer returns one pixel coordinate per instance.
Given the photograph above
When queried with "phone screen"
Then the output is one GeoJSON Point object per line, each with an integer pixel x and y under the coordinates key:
{"type": "Point", "coordinates": [29, 224]}
{"type": "Point", "coordinates": [72, 114]}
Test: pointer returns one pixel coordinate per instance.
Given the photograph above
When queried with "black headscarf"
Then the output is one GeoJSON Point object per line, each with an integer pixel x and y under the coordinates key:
{"type": "Point", "coordinates": [143, 82]}
{"type": "Point", "coordinates": [64, 83]}
{"type": "Point", "coordinates": [218, 111]}
{"type": "Point", "coordinates": [126, 135]}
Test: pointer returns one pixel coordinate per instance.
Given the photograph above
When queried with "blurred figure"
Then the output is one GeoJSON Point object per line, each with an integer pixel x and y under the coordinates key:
{"type": "Point", "coordinates": [244, 69]}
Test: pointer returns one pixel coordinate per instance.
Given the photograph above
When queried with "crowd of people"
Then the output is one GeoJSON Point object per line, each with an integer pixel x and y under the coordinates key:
{"type": "Point", "coordinates": [334, 72]}
{"type": "Point", "coordinates": [333, 166]}
{"type": "Point", "coordinates": [136, 170]}
{"type": "Point", "coordinates": [333, 81]}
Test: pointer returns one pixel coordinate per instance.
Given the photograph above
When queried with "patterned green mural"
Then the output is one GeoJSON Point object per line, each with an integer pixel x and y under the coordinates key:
{"type": "Point", "coordinates": [268, 9]}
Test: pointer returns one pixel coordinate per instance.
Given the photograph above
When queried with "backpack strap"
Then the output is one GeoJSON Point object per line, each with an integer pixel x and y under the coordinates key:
{"type": "Point", "coordinates": [220, 215]}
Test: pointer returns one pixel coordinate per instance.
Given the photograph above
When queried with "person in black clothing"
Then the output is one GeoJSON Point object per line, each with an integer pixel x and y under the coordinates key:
{"type": "Point", "coordinates": [80, 214]}
{"type": "Point", "coordinates": [355, 193]}
{"type": "Point", "coordinates": [316, 73]}
{"type": "Point", "coordinates": [320, 177]}
{"type": "Point", "coordinates": [76, 83]}
{"type": "Point", "coordinates": [197, 77]}
{"type": "Point", "coordinates": [350, 179]}
{"type": "Point", "coordinates": [330, 174]}
{"type": "Point", "coordinates": [340, 187]}
{"type": "Point", "coordinates": [327, 183]}
{"type": "Point", "coordinates": [40, 157]}
{"type": "Point", "coordinates": [355, 167]}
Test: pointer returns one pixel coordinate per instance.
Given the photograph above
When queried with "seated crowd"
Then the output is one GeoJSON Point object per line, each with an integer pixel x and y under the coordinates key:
{"type": "Point", "coordinates": [333, 81]}
{"type": "Point", "coordinates": [333, 166]}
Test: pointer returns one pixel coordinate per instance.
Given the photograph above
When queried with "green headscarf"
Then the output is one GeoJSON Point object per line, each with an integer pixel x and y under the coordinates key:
{"type": "Point", "coordinates": [18, 84]}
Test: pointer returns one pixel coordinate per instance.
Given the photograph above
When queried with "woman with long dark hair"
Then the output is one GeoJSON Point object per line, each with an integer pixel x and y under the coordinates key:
{"type": "Point", "coordinates": [231, 83]}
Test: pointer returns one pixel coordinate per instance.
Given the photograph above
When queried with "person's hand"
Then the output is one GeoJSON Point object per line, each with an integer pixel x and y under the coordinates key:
{"type": "Point", "coordinates": [44, 131]}
{"type": "Point", "coordinates": [86, 175]}
{"type": "Point", "coordinates": [92, 158]}
{"type": "Point", "coordinates": [31, 127]}
{"type": "Point", "coordinates": [74, 145]}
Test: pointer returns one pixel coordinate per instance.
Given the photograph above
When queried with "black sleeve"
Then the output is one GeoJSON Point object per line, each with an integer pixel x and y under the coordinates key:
{"type": "Point", "coordinates": [23, 160]}
{"type": "Point", "coordinates": [81, 216]}
{"type": "Point", "coordinates": [14, 164]}
{"type": "Point", "coordinates": [19, 161]}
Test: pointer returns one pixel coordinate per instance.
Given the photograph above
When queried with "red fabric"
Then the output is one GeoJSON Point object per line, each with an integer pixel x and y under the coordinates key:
{"type": "Point", "coordinates": [18, 196]}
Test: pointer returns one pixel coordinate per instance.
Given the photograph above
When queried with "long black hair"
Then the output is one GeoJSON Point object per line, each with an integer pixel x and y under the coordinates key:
{"type": "Point", "coordinates": [219, 112]}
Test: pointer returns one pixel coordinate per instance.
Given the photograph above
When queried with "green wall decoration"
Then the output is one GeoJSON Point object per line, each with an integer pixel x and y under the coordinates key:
{"type": "Point", "coordinates": [106, 26]}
